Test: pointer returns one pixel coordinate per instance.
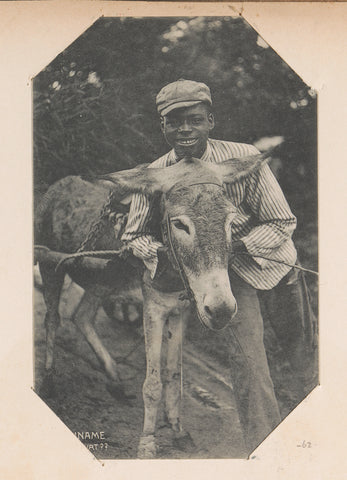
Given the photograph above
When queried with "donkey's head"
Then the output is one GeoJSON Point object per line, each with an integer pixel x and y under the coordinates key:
{"type": "Point", "coordinates": [198, 215]}
{"type": "Point", "coordinates": [197, 231]}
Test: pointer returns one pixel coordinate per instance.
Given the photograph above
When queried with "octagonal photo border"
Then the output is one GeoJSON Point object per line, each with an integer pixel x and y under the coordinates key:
{"type": "Point", "coordinates": [319, 84]}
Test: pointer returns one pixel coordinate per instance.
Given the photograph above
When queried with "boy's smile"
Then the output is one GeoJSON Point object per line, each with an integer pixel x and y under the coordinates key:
{"type": "Point", "coordinates": [187, 129]}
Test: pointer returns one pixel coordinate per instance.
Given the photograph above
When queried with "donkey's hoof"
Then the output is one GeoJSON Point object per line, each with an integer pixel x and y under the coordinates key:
{"type": "Point", "coordinates": [117, 392]}
{"type": "Point", "coordinates": [47, 389]}
{"type": "Point", "coordinates": [147, 448]}
{"type": "Point", "coordinates": [183, 441]}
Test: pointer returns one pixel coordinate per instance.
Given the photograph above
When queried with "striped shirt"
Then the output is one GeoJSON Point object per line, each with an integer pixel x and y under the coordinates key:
{"type": "Point", "coordinates": [264, 221]}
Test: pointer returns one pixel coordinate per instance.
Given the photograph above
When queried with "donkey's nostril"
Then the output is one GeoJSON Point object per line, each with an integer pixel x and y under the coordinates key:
{"type": "Point", "coordinates": [218, 312]}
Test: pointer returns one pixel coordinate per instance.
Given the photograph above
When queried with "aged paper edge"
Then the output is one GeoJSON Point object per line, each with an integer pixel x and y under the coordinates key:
{"type": "Point", "coordinates": [34, 443]}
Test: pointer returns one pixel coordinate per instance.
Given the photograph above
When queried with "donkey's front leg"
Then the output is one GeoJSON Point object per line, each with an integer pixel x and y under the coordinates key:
{"type": "Point", "coordinates": [172, 382]}
{"type": "Point", "coordinates": [154, 317]}
{"type": "Point", "coordinates": [173, 388]}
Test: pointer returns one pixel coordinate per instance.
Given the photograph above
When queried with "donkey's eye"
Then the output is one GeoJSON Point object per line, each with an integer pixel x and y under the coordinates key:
{"type": "Point", "coordinates": [180, 225]}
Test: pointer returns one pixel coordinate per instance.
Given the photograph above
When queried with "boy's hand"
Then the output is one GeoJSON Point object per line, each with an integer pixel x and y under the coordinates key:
{"type": "Point", "coordinates": [238, 246]}
{"type": "Point", "coordinates": [166, 279]}
{"type": "Point", "coordinates": [163, 258]}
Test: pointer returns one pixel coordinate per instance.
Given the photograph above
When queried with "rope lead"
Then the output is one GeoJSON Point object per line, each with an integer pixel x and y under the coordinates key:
{"type": "Point", "coordinates": [299, 267]}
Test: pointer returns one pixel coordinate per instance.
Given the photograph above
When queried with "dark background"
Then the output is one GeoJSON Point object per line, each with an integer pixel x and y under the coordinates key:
{"type": "Point", "coordinates": [94, 105]}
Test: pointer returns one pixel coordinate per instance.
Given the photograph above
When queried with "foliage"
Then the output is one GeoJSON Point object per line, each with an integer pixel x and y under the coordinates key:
{"type": "Point", "coordinates": [94, 105]}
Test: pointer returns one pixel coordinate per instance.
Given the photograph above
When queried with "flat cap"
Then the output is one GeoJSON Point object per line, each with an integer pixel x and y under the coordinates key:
{"type": "Point", "coordinates": [183, 93]}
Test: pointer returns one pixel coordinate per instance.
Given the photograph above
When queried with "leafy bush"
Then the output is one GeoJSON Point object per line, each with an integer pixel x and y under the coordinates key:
{"type": "Point", "coordinates": [94, 105]}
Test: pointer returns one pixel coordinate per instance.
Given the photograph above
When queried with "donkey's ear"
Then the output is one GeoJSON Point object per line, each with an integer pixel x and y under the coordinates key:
{"type": "Point", "coordinates": [236, 169]}
{"type": "Point", "coordinates": [126, 182]}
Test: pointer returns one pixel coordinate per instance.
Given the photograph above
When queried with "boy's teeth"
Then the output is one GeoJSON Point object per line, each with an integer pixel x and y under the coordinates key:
{"type": "Point", "coordinates": [187, 142]}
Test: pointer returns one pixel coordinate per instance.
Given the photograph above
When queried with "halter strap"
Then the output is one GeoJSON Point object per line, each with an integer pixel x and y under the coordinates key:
{"type": "Point", "coordinates": [178, 265]}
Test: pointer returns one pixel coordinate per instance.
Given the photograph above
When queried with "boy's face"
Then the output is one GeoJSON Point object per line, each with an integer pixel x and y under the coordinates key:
{"type": "Point", "coordinates": [187, 130]}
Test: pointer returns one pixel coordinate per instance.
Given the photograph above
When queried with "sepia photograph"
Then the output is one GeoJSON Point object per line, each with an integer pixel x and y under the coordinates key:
{"type": "Point", "coordinates": [172, 270]}
{"type": "Point", "coordinates": [175, 237]}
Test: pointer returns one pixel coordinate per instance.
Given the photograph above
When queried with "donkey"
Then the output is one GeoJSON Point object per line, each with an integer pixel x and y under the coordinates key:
{"type": "Point", "coordinates": [196, 216]}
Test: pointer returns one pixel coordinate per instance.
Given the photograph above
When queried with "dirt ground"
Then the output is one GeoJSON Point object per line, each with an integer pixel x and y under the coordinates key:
{"type": "Point", "coordinates": [111, 428]}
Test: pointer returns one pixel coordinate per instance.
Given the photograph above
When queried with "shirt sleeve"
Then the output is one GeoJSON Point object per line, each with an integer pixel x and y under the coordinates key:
{"type": "Point", "coordinates": [275, 223]}
{"type": "Point", "coordinates": [137, 235]}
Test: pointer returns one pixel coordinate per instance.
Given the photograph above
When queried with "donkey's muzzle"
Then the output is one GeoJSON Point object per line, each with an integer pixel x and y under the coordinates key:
{"type": "Point", "coordinates": [218, 313]}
